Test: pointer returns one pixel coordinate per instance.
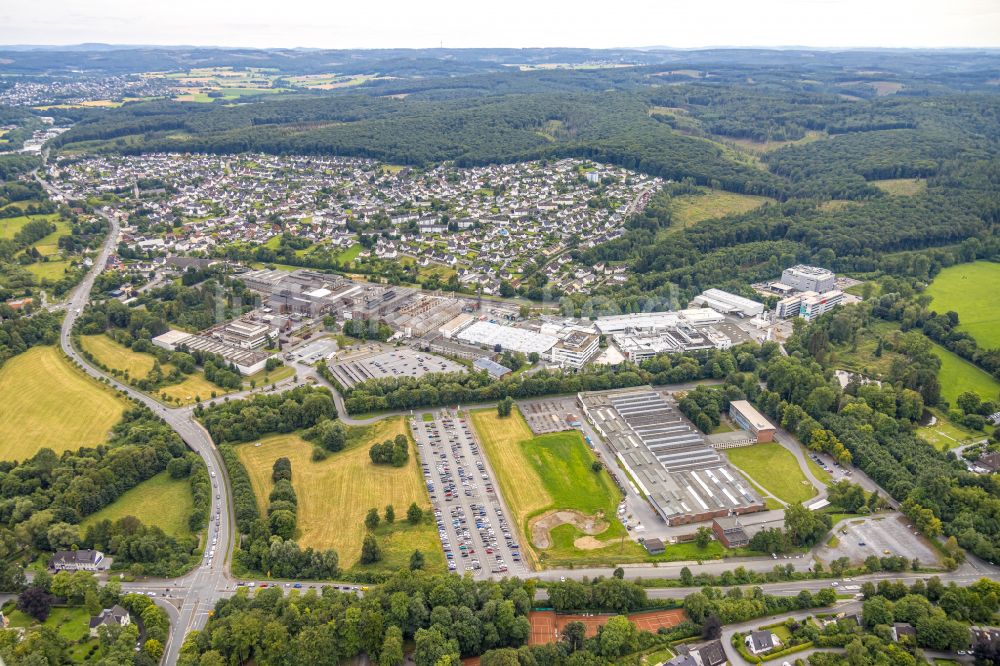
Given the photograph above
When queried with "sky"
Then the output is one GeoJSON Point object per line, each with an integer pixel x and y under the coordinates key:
{"type": "Point", "coordinates": [505, 23]}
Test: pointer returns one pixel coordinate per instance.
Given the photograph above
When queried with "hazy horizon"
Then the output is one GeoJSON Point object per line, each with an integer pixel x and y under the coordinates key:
{"type": "Point", "coordinates": [633, 24]}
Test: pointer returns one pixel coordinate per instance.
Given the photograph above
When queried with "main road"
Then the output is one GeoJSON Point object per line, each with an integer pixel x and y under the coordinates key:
{"type": "Point", "coordinates": [202, 587]}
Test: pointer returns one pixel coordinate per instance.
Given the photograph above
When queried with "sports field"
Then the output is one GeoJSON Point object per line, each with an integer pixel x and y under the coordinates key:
{"type": "Point", "coordinates": [36, 389]}
{"type": "Point", "coordinates": [971, 291]}
{"type": "Point", "coordinates": [161, 501]}
{"type": "Point", "coordinates": [542, 475]}
{"type": "Point", "coordinates": [774, 468]}
{"type": "Point", "coordinates": [117, 356]}
{"type": "Point", "coordinates": [335, 494]}
{"type": "Point", "coordinates": [958, 375]}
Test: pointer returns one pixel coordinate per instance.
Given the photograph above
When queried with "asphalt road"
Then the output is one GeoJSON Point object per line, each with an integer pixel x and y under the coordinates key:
{"type": "Point", "coordinates": [201, 588]}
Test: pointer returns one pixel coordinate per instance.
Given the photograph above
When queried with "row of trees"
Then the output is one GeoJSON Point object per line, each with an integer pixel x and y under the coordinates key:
{"type": "Point", "coordinates": [446, 617]}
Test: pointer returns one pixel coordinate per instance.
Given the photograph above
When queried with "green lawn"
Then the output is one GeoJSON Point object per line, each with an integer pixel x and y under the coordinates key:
{"type": "Point", "coordinates": [160, 501]}
{"type": "Point", "coordinates": [538, 475]}
{"type": "Point", "coordinates": [958, 375]}
{"type": "Point", "coordinates": [971, 291]}
{"type": "Point", "coordinates": [350, 254]}
{"type": "Point", "coordinates": [774, 468]}
{"type": "Point", "coordinates": [944, 434]}
{"type": "Point", "coordinates": [72, 623]}
{"type": "Point", "coordinates": [264, 377]}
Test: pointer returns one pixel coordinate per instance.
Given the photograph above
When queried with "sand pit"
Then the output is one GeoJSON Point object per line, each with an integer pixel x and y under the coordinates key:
{"type": "Point", "coordinates": [589, 525]}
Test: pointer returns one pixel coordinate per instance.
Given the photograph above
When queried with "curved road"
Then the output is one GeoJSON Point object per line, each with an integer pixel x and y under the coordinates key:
{"type": "Point", "coordinates": [200, 588]}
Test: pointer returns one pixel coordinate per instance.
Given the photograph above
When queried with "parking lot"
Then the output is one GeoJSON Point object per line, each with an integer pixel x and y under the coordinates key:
{"type": "Point", "coordinates": [471, 517]}
{"type": "Point", "coordinates": [315, 350]}
{"type": "Point", "coordinates": [379, 362]}
{"type": "Point", "coordinates": [883, 535]}
{"type": "Point", "coordinates": [545, 416]}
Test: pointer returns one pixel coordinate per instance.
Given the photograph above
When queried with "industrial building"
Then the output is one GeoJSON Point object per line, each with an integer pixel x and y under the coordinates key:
{"type": "Point", "coordinates": [508, 338]}
{"type": "Point", "coordinates": [747, 417]}
{"type": "Point", "coordinates": [494, 369]}
{"type": "Point", "coordinates": [726, 303]}
{"type": "Point", "coordinates": [682, 477]}
{"type": "Point", "coordinates": [310, 293]}
{"type": "Point", "coordinates": [576, 349]}
{"type": "Point", "coordinates": [643, 335]}
{"type": "Point", "coordinates": [247, 361]}
{"type": "Point", "coordinates": [246, 334]}
{"type": "Point", "coordinates": [808, 278]}
{"type": "Point", "coordinates": [808, 304]}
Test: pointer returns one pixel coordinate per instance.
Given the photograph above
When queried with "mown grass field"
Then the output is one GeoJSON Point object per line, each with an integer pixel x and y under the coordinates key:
{"type": "Point", "coordinates": [958, 375]}
{"type": "Point", "coordinates": [944, 434]}
{"type": "Point", "coordinates": [901, 187]}
{"type": "Point", "coordinates": [117, 356]}
{"type": "Point", "coordinates": [36, 389]}
{"type": "Point", "coordinates": [548, 472]}
{"type": "Point", "coordinates": [335, 494]}
{"type": "Point", "coordinates": [263, 377]}
{"type": "Point", "coordinates": [161, 501]}
{"type": "Point", "coordinates": [774, 468]}
{"type": "Point", "coordinates": [971, 291]}
{"type": "Point", "coordinates": [193, 387]}
{"type": "Point", "coordinates": [690, 209]}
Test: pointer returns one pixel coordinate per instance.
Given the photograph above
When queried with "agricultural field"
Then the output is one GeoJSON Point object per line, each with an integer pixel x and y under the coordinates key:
{"type": "Point", "coordinates": [901, 187]}
{"type": "Point", "coordinates": [117, 356]}
{"type": "Point", "coordinates": [36, 386]}
{"type": "Point", "coordinates": [335, 494]}
{"type": "Point", "coordinates": [565, 511]}
{"type": "Point", "coordinates": [690, 209]}
{"type": "Point", "coordinates": [958, 375]}
{"type": "Point", "coordinates": [971, 291]}
{"type": "Point", "coordinates": [773, 468]}
{"type": "Point", "coordinates": [162, 501]}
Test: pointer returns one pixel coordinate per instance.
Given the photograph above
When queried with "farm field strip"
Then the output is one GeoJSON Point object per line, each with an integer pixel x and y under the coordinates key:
{"type": "Point", "coordinates": [35, 389]}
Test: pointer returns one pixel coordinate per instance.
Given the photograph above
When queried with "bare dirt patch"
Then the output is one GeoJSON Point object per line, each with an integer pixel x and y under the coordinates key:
{"type": "Point", "coordinates": [588, 543]}
{"type": "Point", "coordinates": [589, 525]}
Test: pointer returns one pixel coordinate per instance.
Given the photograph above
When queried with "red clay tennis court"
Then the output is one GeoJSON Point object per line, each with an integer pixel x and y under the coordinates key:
{"type": "Point", "coordinates": [547, 626]}
{"type": "Point", "coordinates": [543, 627]}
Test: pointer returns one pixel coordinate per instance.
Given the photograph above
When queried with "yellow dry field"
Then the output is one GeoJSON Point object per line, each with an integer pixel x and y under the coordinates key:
{"type": "Point", "coordinates": [117, 356]}
{"type": "Point", "coordinates": [502, 437]}
{"type": "Point", "coordinates": [335, 494]}
{"type": "Point", "coordinates": [191, 389]}
{"type": "Point", "coordinates": [46, 402]}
